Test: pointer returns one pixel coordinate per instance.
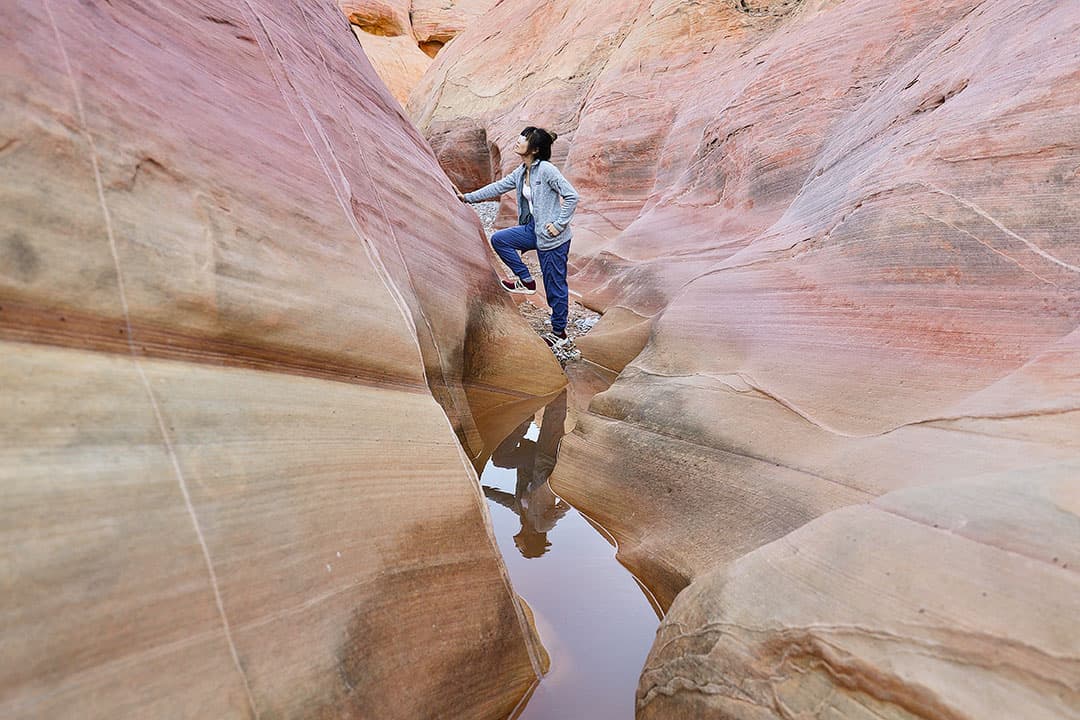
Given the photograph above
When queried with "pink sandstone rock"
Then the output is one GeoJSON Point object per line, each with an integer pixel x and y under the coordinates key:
{"type": "Point", "coordinates": [437, 22]}
{"type": "Point", "coordinates": [232, 279]}
{"type": "Point", "coordinates": [398, 60]}
{"type": "Point", "coordinates": [384, 29]}
{"type": "Point", "coordinates": [836, 247]}
{"type": "Point", "coordinates": [400, 38]}
{"type": "Point", "coordinates": [383, 18]}
{"type": "Point", "coordinates": [973, 615]}
{"type": "Point", "coordinates": [463, 150]}
{"type": "Point", "coordinates": [514, 69]}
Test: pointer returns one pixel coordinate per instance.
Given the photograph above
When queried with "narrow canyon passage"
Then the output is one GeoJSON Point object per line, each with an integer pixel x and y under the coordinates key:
{"type": "Point", "coordinates": [594, 619]}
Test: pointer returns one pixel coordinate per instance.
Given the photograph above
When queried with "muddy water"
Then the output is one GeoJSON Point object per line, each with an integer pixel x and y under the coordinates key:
{"type": "Point", "coordinates": [595, 621]}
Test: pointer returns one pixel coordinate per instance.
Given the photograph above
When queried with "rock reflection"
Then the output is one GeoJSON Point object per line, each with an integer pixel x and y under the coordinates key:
{"type": "Point", "coordinates": [533, 500]}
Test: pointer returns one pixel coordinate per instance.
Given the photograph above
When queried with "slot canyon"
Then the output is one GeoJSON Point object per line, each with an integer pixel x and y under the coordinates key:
{"type": "Point", "coordinates": [274, 442]}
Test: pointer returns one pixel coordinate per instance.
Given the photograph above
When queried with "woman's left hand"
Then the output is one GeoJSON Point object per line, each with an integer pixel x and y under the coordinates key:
{"type": "Point", "coordinates": [551, 229]}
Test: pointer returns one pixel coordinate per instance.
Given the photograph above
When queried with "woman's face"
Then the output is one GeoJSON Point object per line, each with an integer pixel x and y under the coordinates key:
{"type": "Point", "coordinates": [522, 147]}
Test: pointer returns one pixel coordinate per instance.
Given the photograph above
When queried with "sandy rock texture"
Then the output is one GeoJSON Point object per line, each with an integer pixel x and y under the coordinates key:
{"type": "Point", "coordinates": [234, 283]}
{"type": "Point", "coordinates": [525, 64]}
{"type": "Point", "coordinates": [437, 22]}
{"type": "Point", "coordinates": [971, 614]}
{"type": "Point", "coordinates": [465, 153]}
{"type": "Point", "coordinates": [400, 37]}
{"type": "Point", "coordinates": [836, 248]}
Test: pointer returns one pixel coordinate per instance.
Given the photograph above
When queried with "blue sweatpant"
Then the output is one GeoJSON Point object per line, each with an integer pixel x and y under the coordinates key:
{"type": "Point", "coordinates": [510, 242]}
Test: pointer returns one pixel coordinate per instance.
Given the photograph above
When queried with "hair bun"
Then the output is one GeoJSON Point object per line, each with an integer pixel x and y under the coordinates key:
{"type": "Point", "coordinates": [554, 136]}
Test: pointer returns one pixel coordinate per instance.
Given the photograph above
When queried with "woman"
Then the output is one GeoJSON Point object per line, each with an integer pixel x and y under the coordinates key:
{"type": "Point", "coordinates": [546, 202]}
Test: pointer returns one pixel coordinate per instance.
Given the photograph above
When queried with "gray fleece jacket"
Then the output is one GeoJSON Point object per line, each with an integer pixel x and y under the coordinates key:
{"type": "Point", "coordinates": [554, 200]}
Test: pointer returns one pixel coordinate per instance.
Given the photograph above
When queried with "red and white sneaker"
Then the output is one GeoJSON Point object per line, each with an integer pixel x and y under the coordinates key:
{"type": "Point", "coordinates": [517, 285]}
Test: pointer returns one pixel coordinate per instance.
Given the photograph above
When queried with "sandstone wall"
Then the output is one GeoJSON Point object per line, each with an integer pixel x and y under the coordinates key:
{"type": "Point", "coordinates": [232, 279]}
{"type": "Point", "coordinates": [836, 244]}
{"type": "Point", "coordinates": [952, 600]}
{"type": "Point", "coordinates": [401, 36]}
{"type": "Point", "coordinates": [525, 64]}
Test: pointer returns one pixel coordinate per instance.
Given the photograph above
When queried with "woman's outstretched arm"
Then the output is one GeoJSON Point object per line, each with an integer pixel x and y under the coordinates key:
{"type": "Point", "coordinates": [492, 190]}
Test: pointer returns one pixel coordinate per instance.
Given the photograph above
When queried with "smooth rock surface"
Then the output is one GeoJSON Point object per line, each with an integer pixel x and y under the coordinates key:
{"type": "Point", "coordinates": [900, 295]}
{"type": "Point", "coordinates": [972, 615]}
{"type": "Point", "coordinates": [384, 18]}
{"type": "Point", "coordinates": [835, 244]}
{"type": "Point", "coordinates": [524, 64]}
{"type": "Point", "coordinates": [463, 150]}
{"type": "Point", "coordinates": [401, 37]}
{"type": "Point", "coordinates": [225, 320]}
{"type": "Point", "coordinates": [437, 22]}
{"type": "Point", "coordinates": [398, 60]}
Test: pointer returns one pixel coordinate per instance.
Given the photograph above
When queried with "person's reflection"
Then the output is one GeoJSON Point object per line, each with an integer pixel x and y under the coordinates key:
{"type": "Point", "coordinates": [533, 501]}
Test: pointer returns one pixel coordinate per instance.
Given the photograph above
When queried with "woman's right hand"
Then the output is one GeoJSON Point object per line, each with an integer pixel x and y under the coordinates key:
{"type": "Point", "coordinates": [460, 196]}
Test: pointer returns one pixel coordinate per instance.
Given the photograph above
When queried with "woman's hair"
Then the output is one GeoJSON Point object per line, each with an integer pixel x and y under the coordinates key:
{"type": "Point", "coordinates": [539, 141]}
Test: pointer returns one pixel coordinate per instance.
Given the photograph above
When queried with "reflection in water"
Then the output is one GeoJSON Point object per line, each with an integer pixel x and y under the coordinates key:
{"type": "Point", "coordinates": [534, 502]}
{"type": "Point", "coordinates": [593, 618]}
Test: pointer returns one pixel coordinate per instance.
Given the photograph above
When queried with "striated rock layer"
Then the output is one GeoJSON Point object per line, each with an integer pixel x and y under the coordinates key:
{"type": "Point", "coordinates": [944, 601]}
{"type": "Point", "coordinates": [525, 64]}
{"type": "Point", "coordinates": [401, 37]}
{"type": "Point", "coordinates": [836, 247]}
{"type": "Point", "coordinates": [232, 279]}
